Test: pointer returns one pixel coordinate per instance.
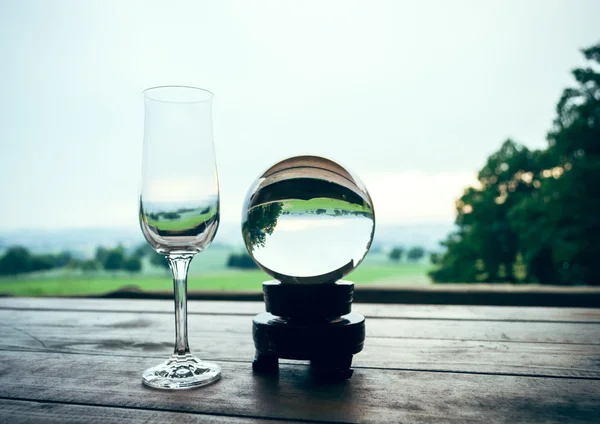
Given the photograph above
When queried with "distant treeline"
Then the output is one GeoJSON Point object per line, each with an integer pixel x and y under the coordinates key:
{"type": "Point", "coordinates": [413, 254]}
{"type": "Point", "coordinates": [157, 216]}
{"type": "Point", "coordinates": [19, 260]}
{"type": "Point", "coordinates": [241, 260]}
{"type": "Point", "coordinates": [334, 212]}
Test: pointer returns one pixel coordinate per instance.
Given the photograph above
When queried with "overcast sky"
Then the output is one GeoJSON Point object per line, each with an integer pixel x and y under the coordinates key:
{"type": "Point", "coordinates": [411, 95]}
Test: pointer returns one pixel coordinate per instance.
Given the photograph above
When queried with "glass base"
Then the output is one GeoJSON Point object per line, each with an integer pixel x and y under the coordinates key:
{"type": "Point", "coordinates": [181, 372]}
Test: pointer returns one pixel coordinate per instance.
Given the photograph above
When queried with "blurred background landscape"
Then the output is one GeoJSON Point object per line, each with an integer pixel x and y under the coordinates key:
{"type": "Point", "coordinates": [94, 261]}
{"type": "Point", "coordinates": [475, 126]}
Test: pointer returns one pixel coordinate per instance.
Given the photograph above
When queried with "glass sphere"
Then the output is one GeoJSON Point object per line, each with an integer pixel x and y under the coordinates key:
{"type": "Point", "coordinates": [308, 220]}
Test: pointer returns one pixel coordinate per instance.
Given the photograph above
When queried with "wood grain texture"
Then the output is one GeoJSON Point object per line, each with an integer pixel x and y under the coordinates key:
{"type": "Point", "coordinates": [371, 395]}
{"type": "Point", "coordinates": [487, 313]}
{"type": "Point", "coordinates": [80, 336]}
{"type": "Point", "coordinates": [149, 322]}
{"type": "Point", "coordinates": [73, 360]}
{"type": "Point", "coordinates": [19, 412]}
{"type": "Point", "coordinates": [478, 294]}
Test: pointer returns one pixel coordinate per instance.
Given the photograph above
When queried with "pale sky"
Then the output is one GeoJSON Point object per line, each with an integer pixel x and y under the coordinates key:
{"type": "Point", "coordinates": [410, 95]}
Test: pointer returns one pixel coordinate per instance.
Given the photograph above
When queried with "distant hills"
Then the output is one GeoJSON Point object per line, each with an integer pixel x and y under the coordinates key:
{"type": "Point", "coordinates": [83, 241]}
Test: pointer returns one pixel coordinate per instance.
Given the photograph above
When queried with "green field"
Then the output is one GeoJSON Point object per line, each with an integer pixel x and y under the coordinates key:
{"type": "Point", "coordinates": [208, 272]}
{"type": "Point", "coordinates": [72, 285]}
{"type": "Point", "coordinates": [321, 203]}
{"type": "Point", "coordinates": [185, 221]}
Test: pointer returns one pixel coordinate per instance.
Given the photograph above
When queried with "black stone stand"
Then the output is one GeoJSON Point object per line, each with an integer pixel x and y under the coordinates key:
{"type": "Point", "coordinates": [308, 321]}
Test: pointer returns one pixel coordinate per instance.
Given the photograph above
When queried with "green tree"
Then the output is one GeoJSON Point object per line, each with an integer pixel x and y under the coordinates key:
{"type": "Point", "coordinates": [16, 260]}
{"type": "Point", "coordinates": [63, 259]}
{"type": "Point", "coordinates": [76, 263]}
{"type": "Point", "coordinates": [159, 260]}
{"type": "Point", "coordinates": [133, 264]}
{"type": "Point", "coordinates": [458, 263]}
{"type": "Point", "coordinates": [509, 177]}
{"type": "Point", "coordinates": [101, 254]}
{"type": "Point", "coordinates": [486, 245]}
{"type": "Point", "coordinates": [435, 258]}
{"type": "Point", "coordinates": [538, 206]}
{"type": "Point", "coordinates": [260, 222]}
{"type": "Point", "coordinates": [396, 254]}
{"type": "Point", "coordinates": [415, 253]}
{"type": "Point", "coordinates": [115, 260]}
{"type": "Point", "coordinates": [558, 227]}
{"type": "Point", "coordinates": [241, 260]}
{"type": "Point", "coordinates": [43, 262]}
{"type": "Point", "coordinates": [144, 249]}
{"type": "Point", "coordinates": [89, 265]}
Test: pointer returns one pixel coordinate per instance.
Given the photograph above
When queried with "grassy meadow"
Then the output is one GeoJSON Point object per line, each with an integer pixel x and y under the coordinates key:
{"type": "Point", "coordinates": [208, 272]}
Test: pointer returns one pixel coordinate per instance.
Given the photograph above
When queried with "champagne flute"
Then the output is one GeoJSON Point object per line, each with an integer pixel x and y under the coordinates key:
{"type": "Point", "coordinates": [179, 209]}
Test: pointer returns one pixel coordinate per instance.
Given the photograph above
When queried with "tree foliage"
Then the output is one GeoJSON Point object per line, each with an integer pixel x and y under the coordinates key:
{"type": "Point", "coordinates": [101, 253]}
{"type": "Point", "coordinates": [260, 222]}
{"type": "Point", "coordinates": [114, 260]}
{"type": "Point", "coordinates": [415, 253]}
{"type": "Point", "coordinates": [396, 254]}
{"type": "Point", "coordinates": [241, 260]}
{"type": "Point", "coordinates": [541, 206]}
{"type": "Point", "coordinates": [144, 249]}
{"type": "Point", "coordinates": [16, 260]}
{"type": "Point", "coordinates": [90, 265]}
{"type": "Point", "coordinates": [133, 264]}
{"type": "Point", "coordinates": [19, 260]}
{"type": "Point", "coordinates": [156, 259]}
{"type": "Point", "coordinates": [435, 258]}
{"type": "Point", "coordinates": [159, 260]}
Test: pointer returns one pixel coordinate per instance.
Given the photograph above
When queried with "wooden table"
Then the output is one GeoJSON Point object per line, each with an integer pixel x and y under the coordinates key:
{"type": "Point", "coordinates": [70, 360]}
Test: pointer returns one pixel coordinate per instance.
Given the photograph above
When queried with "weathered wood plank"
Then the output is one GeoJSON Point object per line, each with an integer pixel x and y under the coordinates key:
{"type": "Point", "coordinates": [541, 359]}
{"type": "Point", "coordinates": [495, 331]}
{"type": "Point", "coordinates": [229, 338]}
{"type": "Point", "coordinates": [453, 312]}
{"type": "Point", "coordinates": [473, 294]}
{"type": "Point", "coordinates": [371, 395]}
{"type": "Point", "coordinates": [21, 412]}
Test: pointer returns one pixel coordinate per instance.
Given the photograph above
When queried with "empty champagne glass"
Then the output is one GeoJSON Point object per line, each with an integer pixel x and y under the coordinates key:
{"type": "Point", "coordinates": [179, 209]}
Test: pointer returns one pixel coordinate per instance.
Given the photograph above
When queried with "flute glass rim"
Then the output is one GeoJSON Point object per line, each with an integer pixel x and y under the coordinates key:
{"type": "Point", "coordinates": [178, 94]}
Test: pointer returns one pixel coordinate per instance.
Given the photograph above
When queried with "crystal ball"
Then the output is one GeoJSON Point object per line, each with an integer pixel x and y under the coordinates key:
{"type": "Point", "coordinates": [308, 220]}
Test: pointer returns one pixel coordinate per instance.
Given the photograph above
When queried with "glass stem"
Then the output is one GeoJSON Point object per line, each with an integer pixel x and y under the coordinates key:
{"type": "Point", "coordinates": [179, 266]}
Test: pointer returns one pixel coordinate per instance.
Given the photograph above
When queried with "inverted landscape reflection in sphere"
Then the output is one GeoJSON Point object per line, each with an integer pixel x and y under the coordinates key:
{"type": "Point", "coordinates": [308, 220]}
